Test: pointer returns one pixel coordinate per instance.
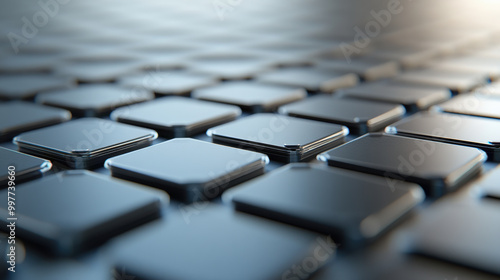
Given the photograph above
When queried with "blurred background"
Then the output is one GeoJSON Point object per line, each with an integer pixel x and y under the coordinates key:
{"type": "Point", "coordinates": [52, 45]}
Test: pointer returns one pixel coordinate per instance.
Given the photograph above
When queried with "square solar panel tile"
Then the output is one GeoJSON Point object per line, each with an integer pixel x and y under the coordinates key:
{"type": "Point", "coordinates": [251, 96]}
{"type": "Point", "coordinates": [456, 81]}
{"type": "Point", "coordinates": [367, 68]}
{"type": "Point", "coordinates": [84, 143]}
{"type": "Point", "coordinates": [168, 82]}
{"type": "Point", "coordinates": [437, 167]}
{"type": "Point", "coordinates": [408, 56]}
{"type": "Point", "coordinates": [288, 51]}
{"type": "Point", "coordinates": [312, 79]}
{"type": "Point", "coordinates": [97, 67]}
{"type": "Point", "coordinates": [24, 116]}
{"type": "Point", "coordinates": [472, 104]}
{"type": "Point", "coordinates": [94, 100]}
{"type": "Point", "coordinates": [67, 213]}
{"type": "Point", "coordinates": [23, 166]}
{"type": "Point", "coordinates": [177, 116]}
{"type": "Point", "coordinates": [188, 169]}
{"type": "Point", "coordinates": [26, 86]}
{"type": "Point", "coordinates": [216, 38]}
{"type": "Point", "coordinates": [228, 66]}
{"type": "Point", "coordinates": [453, 128]}
{"type": "Point", "coordinates": [466, 237]}
{"type": "Point", "coordinates": [353, 207]}
{"type": "Point", "coordinates": [281, 137]}
{"type": "Point", "coordinates": [358, 115]}
{"type": "Point", "coordinates": [471, 64]}
{"type": "Point", "coordinates": [488, 185]}
{"type": "Point", "coordinates": [220, 244]}
{"type": "Point", "coordinates": [28, 62]}
{"type": "Point", "coordinates": [490, 90]}
{"type": "Point", "coordinates": [160, 52]}
{"type": "Point", "coordinates": [412, 97]}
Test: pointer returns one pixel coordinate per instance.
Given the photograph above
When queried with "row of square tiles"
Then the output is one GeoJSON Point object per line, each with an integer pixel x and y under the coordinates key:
{"type": "Point", "coordinates": [244, 195]}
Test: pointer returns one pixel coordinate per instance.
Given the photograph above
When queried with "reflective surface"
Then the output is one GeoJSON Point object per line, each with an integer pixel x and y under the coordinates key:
{"type": "Point", "coordinates": [26, 167]}
{"type": "Point", "coordinates": [437, 167]}
{"type": "Point", "coordinates": [312, 79]}
{"type": "Point", "coordinates": [491, 90]}
{"type": "Point", "coordinates": [457, 129]}
{"type": "Point", "coordinates": [456, 81]}
{"type": "Point", "coordinates": [467, 238]}
{"type": "Point", "coordinates": [84, 135]}
{"type": "Point", "coordinates": [97, 67]}
{"type": "Point", "coordinates": [349, 205]}
{"type": "Point", "coordinates": [176, 116]}
{"type": "Point", "coordinates": [251, 96]}
{"type": "Point", "coordinates": [367, 68]}
{"type": "Point", "coordinates": [472, 64]}
{"type": "Point", "coordinates": [206, 247]}
{"type": "Point", "coordinates": [359, 116]}
{"type": "Point", "coordinates": [414, 98]}
{"type": "Point", "coordinates": [471, 104]}
{"type": "Point", "coordinates": [94, 100]}
{"type": "Point", "coordinates": [24, 116]}
{"type": "Point", "coordinates": [168, 82]}
{"type": "Point", "coordinates": [277, 131]}
{"type": "Point", "coordinates": [28, 62]}
{"type": "Point", "coordinates": [488, 185]}
{"type": "Point", "coordinates": [108, 41]}
{"type": "Point", "coordinates": [84, 143]}
{"type": "Point", "coordinates": [277, 135]}
{"type": "Point", "coordinates": [188, 169]}
{"type": "Point", "coordinates": [24, 86]}
{"type": "Point", "coordinates": [91, 212]}
{"type": "Point", "coordinates": [232, 65]}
